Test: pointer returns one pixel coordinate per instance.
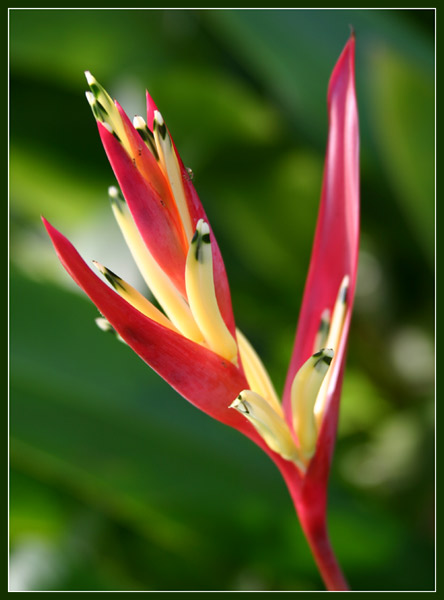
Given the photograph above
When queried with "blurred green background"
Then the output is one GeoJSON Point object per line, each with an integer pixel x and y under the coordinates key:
{"type": "Point", "coordinates": [116, 482]}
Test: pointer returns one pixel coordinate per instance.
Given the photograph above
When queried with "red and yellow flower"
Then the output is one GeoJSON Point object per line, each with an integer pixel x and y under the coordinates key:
{"type": "Point", "coordinates": [193, 342]}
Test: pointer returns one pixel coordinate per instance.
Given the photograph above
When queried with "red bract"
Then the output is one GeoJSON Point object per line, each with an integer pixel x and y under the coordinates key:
{"type": "Point", "coordinates": [193, 343]}
{"type": "Point", "coordinates": [334, 255]}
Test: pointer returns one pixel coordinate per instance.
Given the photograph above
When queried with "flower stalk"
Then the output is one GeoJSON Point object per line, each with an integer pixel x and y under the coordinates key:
{"type": "Point", "coordinates": [192, 340]}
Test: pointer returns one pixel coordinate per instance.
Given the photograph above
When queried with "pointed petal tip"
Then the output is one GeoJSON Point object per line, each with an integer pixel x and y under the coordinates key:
{"type": "Point", "coordinates": [115, 194]}
{"type": "Point", "coordinates": [116, 198]}
{"type": "Point", "coordinates": [89, 78]}
{"type": "Point", "coordinates": [49, 228]}
{"type": "Point", "coordinates": [202, 228]}
{"type": "Point", "coordinates": [237, 403]}
{"type": "Point", "coordinates": [158, 118]}
{"type": "Point", "coordinates": [346, 58]}
{"type": "Point", "coordinates": [139, 122]}
{"type": "Point", "coordinates": [150, 108]}
{"type": "Point", "coordinates": [98, 265]}
{"type": "Point", "coordinates": [105, 129]}
{"type": "Point", "coordinates": [47, 225]}
{"type": "Point", "coordinates": [90, 97]}
{"type": "Point", "coordinates": [150, 102]}
{"type": "Point", "coordinates": [54, 233]}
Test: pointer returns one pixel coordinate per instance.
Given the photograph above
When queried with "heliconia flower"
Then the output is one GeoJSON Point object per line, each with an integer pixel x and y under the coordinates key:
{"type": "Point", "coordinates": [192, 341]}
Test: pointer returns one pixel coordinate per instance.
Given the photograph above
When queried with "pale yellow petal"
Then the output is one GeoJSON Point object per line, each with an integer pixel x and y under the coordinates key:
{"type": "Point", "coordinates": [256, 374]}
{"type": "Point", "coordinates": [304, 391]}
{"type": "Point", "coordinates": [201, 295]}
{"type": "Point", "coordinates": [135, 298]}
{"type": "Point", "coordinates": [105, 110]}
{"type": "Point", "coordinates": [270, 426]}
{"type": "Point", "coordinates": [172, 302]}
{"type": "Point", "coordinates": [333, 340]}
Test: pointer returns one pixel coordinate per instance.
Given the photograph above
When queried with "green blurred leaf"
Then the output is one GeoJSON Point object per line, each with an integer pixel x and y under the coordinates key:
{"type": "Point", "coordinates": [283, 48]}
{"type": "Point", "coordinates": [113, 433]}
{"type": "Point", "coordinates": [403, 118]}
{"type": "Point", "coordinates": [117, 482]}
{"type": "Point", "coordinates": [218, 112]}
{"type": "Point", "coordinates": [101, 41]}
{"type": "Point", "coordinates": [45, 184]}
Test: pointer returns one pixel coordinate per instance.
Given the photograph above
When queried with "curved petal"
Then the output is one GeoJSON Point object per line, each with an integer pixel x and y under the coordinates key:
{"type": "Point", "coordinates": [335, 248]}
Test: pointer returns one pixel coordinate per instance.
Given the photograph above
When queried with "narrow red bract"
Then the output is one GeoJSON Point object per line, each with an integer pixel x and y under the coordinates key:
{"type": "Point", "coordinates": [202, 375]}
{"type": "Point", "coordinates": [335, 248]}
{"type": "Point", "coordinates": [334, 254]}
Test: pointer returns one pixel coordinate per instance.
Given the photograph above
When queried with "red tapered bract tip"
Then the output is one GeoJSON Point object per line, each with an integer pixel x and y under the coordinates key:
{"type": "Point", "coordinates": [150, 110]}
